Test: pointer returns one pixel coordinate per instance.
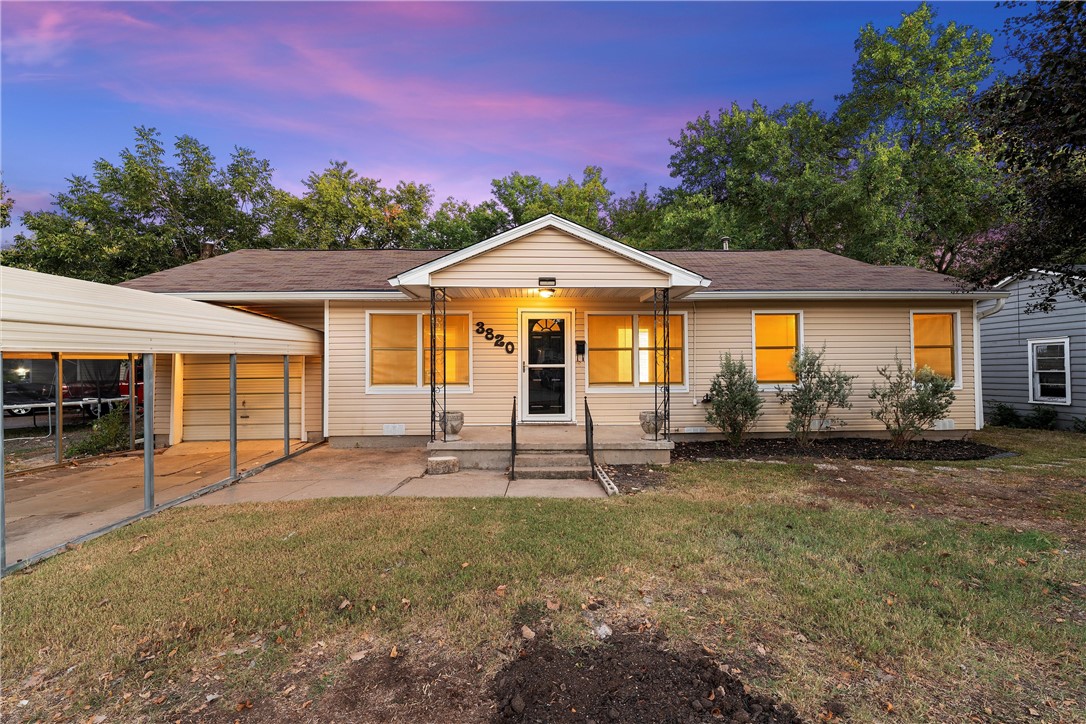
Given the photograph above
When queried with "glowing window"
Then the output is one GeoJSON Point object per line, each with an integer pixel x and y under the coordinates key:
{"type": "Point", "coordinates": [933, 343]}
{"type": "Point", "coordinates": [398, 359]}
{"type": "Point", "coordinates": [776, 340]}
{"type": "Point", "coordinates": [457, 350]}
{"type": "Point", "coordinates": [619, 358]}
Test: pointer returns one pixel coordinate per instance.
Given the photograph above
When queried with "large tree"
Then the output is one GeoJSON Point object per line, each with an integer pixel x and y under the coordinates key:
{"type": "Point", "coordinates": [916, 142]}
{"type": "Point", "coordinates": [342, 210]}
{"type": "Point", "coordinates": [526, 198]}
{"type": "Point", "coordinates": [778, 174]}
{"type": "Point", "coordinates": [1036, 118]}
{"type": "Point", "coordinates": [144, 214]}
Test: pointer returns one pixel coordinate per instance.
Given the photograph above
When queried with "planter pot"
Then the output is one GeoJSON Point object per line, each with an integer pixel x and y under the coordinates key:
{"type": "Point", "coordinates": [452, 422]}
{"type": "Point", "coordinates": [650, 424]}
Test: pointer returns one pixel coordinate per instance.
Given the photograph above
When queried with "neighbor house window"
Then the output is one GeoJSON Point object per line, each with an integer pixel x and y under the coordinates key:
{"type": "Point", "coordinates": [617, 357]}
{"type": "Point", "coordinates": [1050, 371]}
{"type": "Point", "coordinates": [776, 341]}
{"type": "Point", "coordinates": [399, 346]}
{"type": "Point", "coordinates": [935, 343]}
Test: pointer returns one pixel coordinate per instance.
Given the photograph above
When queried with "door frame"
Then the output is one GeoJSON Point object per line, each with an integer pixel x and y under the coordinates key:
{"type": "Point", "coordinates": [570, 367]}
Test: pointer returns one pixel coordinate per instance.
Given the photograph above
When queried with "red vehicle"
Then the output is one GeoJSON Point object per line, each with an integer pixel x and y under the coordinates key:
{"type": "Point", "coordinates": [122, 387]}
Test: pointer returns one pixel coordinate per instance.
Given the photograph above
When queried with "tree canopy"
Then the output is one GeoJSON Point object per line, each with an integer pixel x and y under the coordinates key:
{"type": "Point", "coordinates": [1036, 122]}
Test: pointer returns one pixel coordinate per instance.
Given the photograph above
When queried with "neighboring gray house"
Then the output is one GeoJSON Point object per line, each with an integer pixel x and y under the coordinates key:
{"type": "Point", "coordinates": [1035, 358]}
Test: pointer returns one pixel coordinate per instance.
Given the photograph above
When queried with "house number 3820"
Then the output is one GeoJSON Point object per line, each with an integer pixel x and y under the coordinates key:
{"type": "Point", "coordinates": [498, 339]}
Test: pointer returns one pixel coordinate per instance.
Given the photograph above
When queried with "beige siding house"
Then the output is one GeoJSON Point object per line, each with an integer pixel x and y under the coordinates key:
{"type": "Point", "coordinates": [555, 316]}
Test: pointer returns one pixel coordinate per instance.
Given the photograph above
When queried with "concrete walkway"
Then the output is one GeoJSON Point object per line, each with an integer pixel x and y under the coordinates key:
{"type": "Point", "coordinates": [49, 507]}
{"type": "Point", "coordinates": [327, 472]}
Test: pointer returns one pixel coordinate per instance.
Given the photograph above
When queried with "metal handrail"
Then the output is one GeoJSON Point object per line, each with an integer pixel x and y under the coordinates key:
{"type": "Point", "coordinates": [513, 442]}
{"type": "Point", "coordinates": [589, 439]}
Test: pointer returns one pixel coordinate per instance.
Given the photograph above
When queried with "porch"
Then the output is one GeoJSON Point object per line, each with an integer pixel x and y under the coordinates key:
{"type": "Point", "coordinates": [488, 447]}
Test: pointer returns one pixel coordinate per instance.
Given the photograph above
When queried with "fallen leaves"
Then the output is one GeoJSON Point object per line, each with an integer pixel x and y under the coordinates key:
{"type": "Point", "coordinates": [527, 633]}
{"type": "Point", "coordinates": [500, 591]}
{"type": "Point", "coordinates": [394, 653]}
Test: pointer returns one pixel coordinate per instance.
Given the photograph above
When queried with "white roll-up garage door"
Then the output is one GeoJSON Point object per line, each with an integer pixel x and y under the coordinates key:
{"type": "Point", "coordinates": [260, 397]}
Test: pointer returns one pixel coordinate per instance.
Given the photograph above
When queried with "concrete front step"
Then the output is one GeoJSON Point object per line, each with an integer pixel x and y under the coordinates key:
{"type": "Point", "coordinates": [554, 472]}
{"type": "Point", "coordinates": [545, 460]}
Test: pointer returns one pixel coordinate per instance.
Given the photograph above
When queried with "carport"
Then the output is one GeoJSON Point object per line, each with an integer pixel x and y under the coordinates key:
{"type": "Point", "coordinates": [184, 343]}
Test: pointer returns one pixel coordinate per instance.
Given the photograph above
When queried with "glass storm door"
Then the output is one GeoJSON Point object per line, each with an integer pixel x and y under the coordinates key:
{"type": "Point", "coordinates": [546, 379]}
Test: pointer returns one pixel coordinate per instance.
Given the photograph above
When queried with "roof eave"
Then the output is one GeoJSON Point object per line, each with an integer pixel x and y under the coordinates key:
{"type": "Point", "coordinates": [844, 294]}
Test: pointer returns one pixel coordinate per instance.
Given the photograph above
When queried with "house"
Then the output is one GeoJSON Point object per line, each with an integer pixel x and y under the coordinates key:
{"type": "Point", "coordinates": [1035, 358]}
{"type": "Point", "coordinates": [564, 322]}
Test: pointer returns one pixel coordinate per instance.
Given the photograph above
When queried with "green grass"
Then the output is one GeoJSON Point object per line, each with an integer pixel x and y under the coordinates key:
{"type": "Point", "coordinates": [866, 589]}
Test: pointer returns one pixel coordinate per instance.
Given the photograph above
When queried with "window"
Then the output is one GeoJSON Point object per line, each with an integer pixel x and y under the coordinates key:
{"type": "Point", "coordinates": [457, 350]}
{"type": "Point", "coordinates": [1050, 371]}
{"type": "Point", "coordinates": [934, 336]}
{"type": "Point", "coordinates": [619, 358]}
{"type": "Point", "coordinates": [399, 350]}
{"type": "Point", "coordinates": [776, 341]}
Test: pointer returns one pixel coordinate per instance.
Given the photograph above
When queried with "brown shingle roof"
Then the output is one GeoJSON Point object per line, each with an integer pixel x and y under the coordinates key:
{"type": "Point", "coordinates": [804, 270]}
{"type": "Point", "coordinates": [264, 270]}
{"type": "Point", "coordinates": [288, 270]}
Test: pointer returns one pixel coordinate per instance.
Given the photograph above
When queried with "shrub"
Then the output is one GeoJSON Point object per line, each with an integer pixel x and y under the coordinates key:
{"type": "Point", "coordinates": [1003, 415]}
{"type": "Point", "coordinates": [1078, 424]}
{"type": "Point", "coordinates": [734, 402]}
{"type": "Point", "coordinates": [1041, 418]}
{"type": "Point", "coordinates": [816, 391]}
{"type": "Point", "coordinates": [109, 433]}
{"type": "Point", "coordinates": [911, 401]}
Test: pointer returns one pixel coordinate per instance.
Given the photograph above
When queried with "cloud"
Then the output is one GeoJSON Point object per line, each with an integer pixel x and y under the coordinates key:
{"type": "Point", "coordinates": [37, 34]}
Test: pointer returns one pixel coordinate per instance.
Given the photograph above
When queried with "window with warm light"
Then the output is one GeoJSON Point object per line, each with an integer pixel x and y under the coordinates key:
{"type": "Point", "coordinates": [399, 350]}
{"type": "Point", "coordinates": [776, 341]}
{"type": "Point", "coordinates": [934, 343]}
{"type": "Point", "coordinates": [617, 357]}
{"type": "Point", "coordinates": [456, 348]}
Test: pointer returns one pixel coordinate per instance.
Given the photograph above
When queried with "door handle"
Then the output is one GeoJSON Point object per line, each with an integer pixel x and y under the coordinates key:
{"type": "Point", "coordinates": [523, 366]}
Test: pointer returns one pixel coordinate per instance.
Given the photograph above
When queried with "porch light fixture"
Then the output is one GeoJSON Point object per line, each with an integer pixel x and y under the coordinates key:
{"type": "Point", "coordinates": [546, 293]}
{"type": "Point", "coordinates": [546, 286]}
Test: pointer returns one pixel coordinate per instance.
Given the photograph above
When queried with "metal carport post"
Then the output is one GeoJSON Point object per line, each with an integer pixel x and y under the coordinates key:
{"type": "Point", "coordinates": [286, 404]}
{"type": "Point", "coordinates": [3, 492]}
{"type": "Point", "coordinates": [148, 432]}
{"type": "Point", "coordinates": [233, 416]}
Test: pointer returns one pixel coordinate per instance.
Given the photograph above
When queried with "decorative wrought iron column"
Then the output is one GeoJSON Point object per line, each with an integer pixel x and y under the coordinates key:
{"type": "Point", "coordinates": [438, 387]}
{"type": "Point", "coordinates": [661, 332]}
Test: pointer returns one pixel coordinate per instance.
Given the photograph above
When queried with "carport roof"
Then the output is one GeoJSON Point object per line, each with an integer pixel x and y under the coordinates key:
{"type": "Point", "coordinates": [45, 313]}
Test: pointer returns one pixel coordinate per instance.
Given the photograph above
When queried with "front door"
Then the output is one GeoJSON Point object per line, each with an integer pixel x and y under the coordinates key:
{"type": "Point", "coordinates": [546, 379]}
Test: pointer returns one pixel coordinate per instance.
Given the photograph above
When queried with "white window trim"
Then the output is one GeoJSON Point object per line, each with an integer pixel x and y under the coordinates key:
{"type": "Point", "coordinates": [1066, 342]}
{"type": "Point", "coordinates": [956, 313]}
{"type": "Point", "coordinates": [421, 386]}
{"type": "Point", "coordinates": [771, 386]}
{"type": "Point", "coordinates": [637, 387]}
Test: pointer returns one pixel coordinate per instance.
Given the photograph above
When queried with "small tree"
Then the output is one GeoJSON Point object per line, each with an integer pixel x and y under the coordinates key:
{"type": "Point", "coordinates": [734, 403]}
{"type": "Point", "coordinates": [816, 391]}
{"type": "Point", "coordinates": [911, 401]}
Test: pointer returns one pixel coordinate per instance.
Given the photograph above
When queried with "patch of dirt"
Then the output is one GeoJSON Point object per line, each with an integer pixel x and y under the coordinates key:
{"type": "Point", "coordinates": [408, 689]}
{"type": "Point", "coordinates": [852, 448]}
{"type": "Point", "coordinates": [631, 479]}
{"type": "Point", "coordinates": [629, 678]}
{"type": "Point", "coordinates": [1021, 502]}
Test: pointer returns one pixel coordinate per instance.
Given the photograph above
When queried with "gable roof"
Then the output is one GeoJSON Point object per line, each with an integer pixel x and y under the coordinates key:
{"type": "Point", "coordinates": [676, 274]}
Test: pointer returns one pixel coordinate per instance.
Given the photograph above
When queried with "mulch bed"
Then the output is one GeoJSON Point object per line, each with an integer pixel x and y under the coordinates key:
{"type": "Point", "coordinates": [852, 448]}
{"type": "Point", "coordinates": [628, 678]}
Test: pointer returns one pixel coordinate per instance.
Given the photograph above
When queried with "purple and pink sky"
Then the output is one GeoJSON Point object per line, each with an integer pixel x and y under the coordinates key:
{"type": "Point", "coordinates": [449, 94]}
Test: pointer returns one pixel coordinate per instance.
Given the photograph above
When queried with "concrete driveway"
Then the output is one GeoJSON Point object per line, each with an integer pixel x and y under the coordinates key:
{"type": "Point", "coordinates": [327, 472]}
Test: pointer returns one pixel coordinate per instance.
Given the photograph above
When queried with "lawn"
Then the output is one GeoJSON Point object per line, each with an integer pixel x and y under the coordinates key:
{"type": "Point", "coordinates": [928, 592]}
